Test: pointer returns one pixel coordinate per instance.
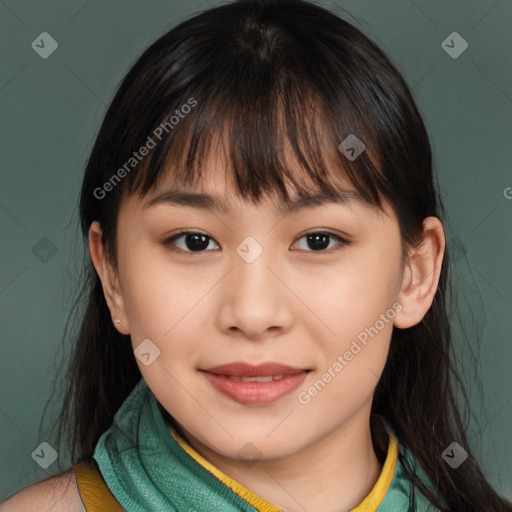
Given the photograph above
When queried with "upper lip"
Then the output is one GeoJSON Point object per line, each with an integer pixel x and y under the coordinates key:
{"type": "Point", "coordinates": [243, 369]}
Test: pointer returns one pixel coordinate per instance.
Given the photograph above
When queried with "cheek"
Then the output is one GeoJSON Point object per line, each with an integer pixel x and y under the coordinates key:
{"type": "Point", "coordinates": [360, 316]}
{"type": "Point", "coordinates": [153, 287]}
{"type": "Point", "coordinates": [358, 290]}
{"type": "Point", "coordinates": [159, 299]}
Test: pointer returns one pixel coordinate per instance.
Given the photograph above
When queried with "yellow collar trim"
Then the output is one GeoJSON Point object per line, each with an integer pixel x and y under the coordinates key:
{"type": "Point", "coordinates": [253, 499]}
{"type": "Point", "coordinates": [369, 504]}
{"type": "Point", "coordinates": [374, 499]}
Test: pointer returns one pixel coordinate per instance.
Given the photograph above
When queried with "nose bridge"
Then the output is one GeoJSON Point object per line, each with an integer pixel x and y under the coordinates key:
{"type": "Point", "coordinates": [254, 299]}
{"type": "Point", "coordinates": [251, 266]}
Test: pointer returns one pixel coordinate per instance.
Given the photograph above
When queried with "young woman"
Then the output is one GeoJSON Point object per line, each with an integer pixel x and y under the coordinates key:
{"type": "Point", "coordinates": [265, 326]}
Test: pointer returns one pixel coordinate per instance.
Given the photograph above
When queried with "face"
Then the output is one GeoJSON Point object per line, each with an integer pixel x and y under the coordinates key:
{"type": "Point", "coordinates": [255, 284]}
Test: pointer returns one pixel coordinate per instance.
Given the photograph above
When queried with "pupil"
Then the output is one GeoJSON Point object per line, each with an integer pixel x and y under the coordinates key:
{"type": "Point", "coordinates": [318, 239]}
{"type": "Point", "coordinates": [197, 245]}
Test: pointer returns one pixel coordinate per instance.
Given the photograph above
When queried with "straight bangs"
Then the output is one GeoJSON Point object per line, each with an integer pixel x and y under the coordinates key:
{"type": "Point", "coordinates": [276, 135]}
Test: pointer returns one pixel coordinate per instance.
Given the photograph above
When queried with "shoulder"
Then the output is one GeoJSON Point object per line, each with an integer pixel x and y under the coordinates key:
{"type": "Point", "coordinates": [58, 493]}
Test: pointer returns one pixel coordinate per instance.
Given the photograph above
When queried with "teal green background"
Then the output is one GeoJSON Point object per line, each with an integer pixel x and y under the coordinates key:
{"type": "Point", "coordinates": [51, 110]}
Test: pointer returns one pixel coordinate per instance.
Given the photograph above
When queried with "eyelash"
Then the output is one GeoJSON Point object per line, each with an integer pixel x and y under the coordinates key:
{"type": "Point", "coordinates": [169, 242]}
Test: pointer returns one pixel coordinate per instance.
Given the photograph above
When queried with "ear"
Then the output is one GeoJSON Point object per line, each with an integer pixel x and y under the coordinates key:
{"type": "Point", "coordinates": [109, 278]}
{"type": "Point", "coordinates": [421, 275]}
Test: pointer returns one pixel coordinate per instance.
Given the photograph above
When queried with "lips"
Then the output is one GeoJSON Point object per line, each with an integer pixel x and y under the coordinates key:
{"type": "Point", "coordinates": [252, 385]}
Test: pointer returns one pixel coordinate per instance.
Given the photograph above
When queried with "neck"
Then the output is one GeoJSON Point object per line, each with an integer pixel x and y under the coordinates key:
{"type": "Point", "coordinates": [333, 474]}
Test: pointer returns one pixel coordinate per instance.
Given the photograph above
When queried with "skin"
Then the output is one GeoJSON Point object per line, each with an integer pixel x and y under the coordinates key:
{"type": "Point", "coordinates": [292, 305]}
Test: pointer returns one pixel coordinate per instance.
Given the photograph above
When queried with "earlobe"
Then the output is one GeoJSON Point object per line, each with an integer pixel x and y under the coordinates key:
{"type": "Point", "coordinates": [421, 275]}
{"type": "Point", "coordinates": [109, 278]}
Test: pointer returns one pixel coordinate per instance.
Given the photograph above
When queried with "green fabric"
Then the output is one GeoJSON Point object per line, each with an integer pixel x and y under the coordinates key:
{"type": "Point", "coordinates": [146, 469]}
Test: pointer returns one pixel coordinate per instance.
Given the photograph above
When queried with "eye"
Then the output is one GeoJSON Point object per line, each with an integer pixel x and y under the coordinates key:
{"type": "Point", "coordinates": [195, 241]}
{"type": "Point", "coordinates": [319, 240]}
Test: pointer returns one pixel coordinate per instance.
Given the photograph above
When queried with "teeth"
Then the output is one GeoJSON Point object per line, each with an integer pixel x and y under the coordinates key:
{"type": "Point", "coordinates": [267, 378]}
{"type": "Point", "coordinates": [257, 379]}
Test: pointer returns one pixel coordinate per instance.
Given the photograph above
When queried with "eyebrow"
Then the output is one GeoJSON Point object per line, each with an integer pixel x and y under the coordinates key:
{"type": "Point", "coordinates": [215, 203]}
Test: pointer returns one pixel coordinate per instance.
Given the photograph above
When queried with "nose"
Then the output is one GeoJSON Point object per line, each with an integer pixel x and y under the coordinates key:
{"type": "Point", "coordinates": [255, 301]}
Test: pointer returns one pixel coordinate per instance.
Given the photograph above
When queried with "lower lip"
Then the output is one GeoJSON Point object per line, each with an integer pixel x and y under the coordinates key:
{"type": "Point", "coordinates": [251, 393]}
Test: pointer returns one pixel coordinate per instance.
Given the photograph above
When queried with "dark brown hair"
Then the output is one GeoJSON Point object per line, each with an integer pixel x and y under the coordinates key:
{"type": "Point", "coordinates": [275, 74]}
